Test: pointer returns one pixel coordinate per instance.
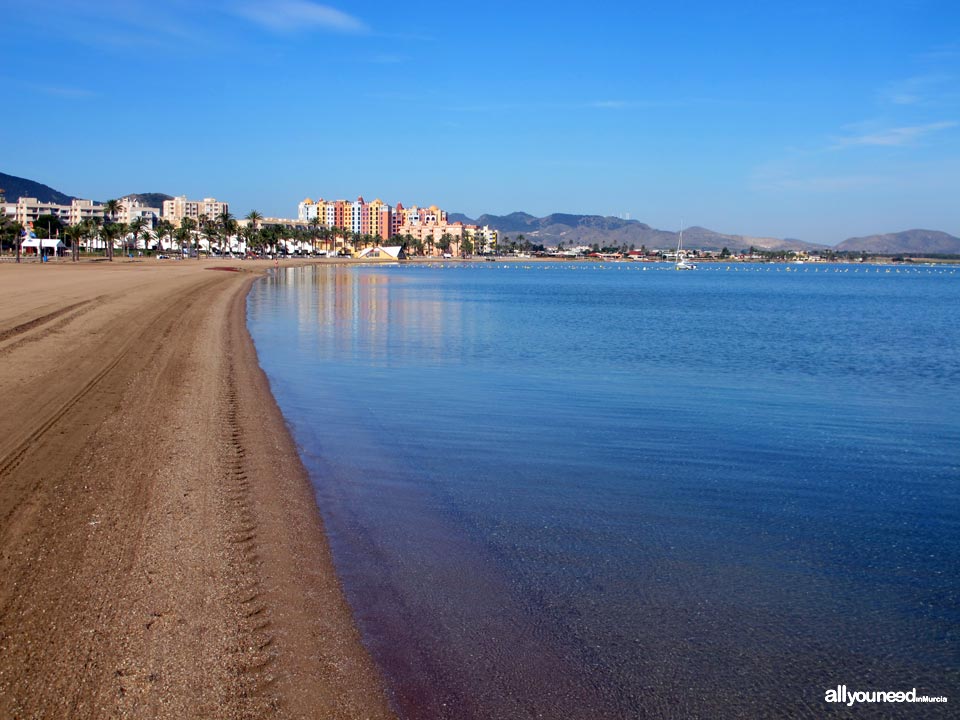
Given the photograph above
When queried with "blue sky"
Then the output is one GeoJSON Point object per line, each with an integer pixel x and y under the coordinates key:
{"type": "Point", "coordinates": [812, 120]}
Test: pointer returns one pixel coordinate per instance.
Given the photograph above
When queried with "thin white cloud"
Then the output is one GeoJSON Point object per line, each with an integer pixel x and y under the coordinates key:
{"type": "Point", "coordinates": [921, 89]}
{"type": "Point", "coordinates": [536, 106]}
{"type": "Point", "coordinates": [609, 104]}
{"type": "Point", "coordinates": [828, 183]}
{"type": "Point", "coordinates": [942, 52]}
{"type": "Point", "coordinates": [68, 93]}
{"type": "Point", "coordinates": [892, 137]}
{"type": "Point", "coordinates": [290, 15]}
{"type": "Point", "coordinates": [386, 59]}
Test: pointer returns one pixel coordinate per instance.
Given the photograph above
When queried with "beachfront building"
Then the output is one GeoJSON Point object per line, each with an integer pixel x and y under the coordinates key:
{"type": "Point", "coordinates": [359, 216]}
{"type": "Point", "coordinates": [428, 227]}
{"type": "Point", "coordinates": [179, 208]}
{"type": "Point", "coordinates": [26, 211]}
{"type": "Point", "coordinates": [131, 208]}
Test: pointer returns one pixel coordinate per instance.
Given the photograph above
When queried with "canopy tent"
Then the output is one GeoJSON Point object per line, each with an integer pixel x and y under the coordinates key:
{"type": "Point", "coordinates": [394, 252]}
{"type": "Point", "coordinates": [35, 243]}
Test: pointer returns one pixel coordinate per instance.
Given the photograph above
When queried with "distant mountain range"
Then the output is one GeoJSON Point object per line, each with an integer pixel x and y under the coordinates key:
{"type": "Point", "coordinates": [16, 187]}
{"type": "Point", "coordinates": [573, 230]}
{"type": "Point", "coordinates": [908, 242]}
{"type": "Point", "coordinates": [154, 200]}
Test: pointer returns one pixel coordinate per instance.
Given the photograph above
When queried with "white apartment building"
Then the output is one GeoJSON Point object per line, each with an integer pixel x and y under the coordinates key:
{"type": "Point", "coordinates": [132, 208]}
{"type": "Point", "coordinates": [179, 208]}
{"type": "Point", "coordinates": [308, 209]}
{"type": "Point", "coordinates": [27, 210]}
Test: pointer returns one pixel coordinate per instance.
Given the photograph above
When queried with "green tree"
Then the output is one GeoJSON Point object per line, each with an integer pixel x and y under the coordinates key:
{"type": "Point", "coordinates": [91, 229]}
{"type": "Point", "coordinates": [48, 226]}
{"type": "Point", "coordinates": [204, 230]}
{"type": "Point", "coordinates": [136, 227]}
{"type": "Point", "coordinates": [226, 227]}
{"type": "Point", "coordinates": [445, 241]}
{"type": "Point", "coordinates": [10, 231]}
{"type": "Point", "coordinates": [74, 233]}
{"type": "Point", "coordinates": [190, 227]}
{"type": "Point", "coordinates": [164, 230]}
{"type": "Point", "coordinates": [314, 224]}
{"type": "Point", "coordinates": [111, 208]}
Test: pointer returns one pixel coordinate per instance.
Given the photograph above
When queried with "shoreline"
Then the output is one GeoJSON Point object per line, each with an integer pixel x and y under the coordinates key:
{"type": "Point", "coordinates": [161, 548]}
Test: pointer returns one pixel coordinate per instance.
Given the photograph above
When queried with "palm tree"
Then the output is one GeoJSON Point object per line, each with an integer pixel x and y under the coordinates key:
{"type": "Point", "coordinates": [226, 224]}
{"type": "Point", "coordinates": [137, 226]}
{"type": "Point", "coordinates": [314, 224]}
{"type": "Point", "coordinates": [110, 210]}
{"type": "Point", "coordinates": [254, 217]}
{"type": "Point", "coordinates": [203, 223]}
{"type": "Point", "coordinates": [90, 230]}
{"type": "Point", "coordinates": [445, 241]}
{"type": "Point", "coordinates": [74, 232]}
{"type": "Point", "coordinates": [105, 235]}
{"type": "Point", "coordinates": [188, 226]}
{"type": "Point", "coordinates": [183, 236]}
{"type": "Point", "coordinates": [164, 229]}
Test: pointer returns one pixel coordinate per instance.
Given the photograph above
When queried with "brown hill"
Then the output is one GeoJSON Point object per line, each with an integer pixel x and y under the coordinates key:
{"type": "Point", "coordinates": [914, 242]}
{"type": "Point", "coordinates": [573, 230]}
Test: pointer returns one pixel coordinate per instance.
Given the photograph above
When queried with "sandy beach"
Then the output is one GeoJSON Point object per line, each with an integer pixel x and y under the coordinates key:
{"type": "Point", "coordinates": [161, 554]}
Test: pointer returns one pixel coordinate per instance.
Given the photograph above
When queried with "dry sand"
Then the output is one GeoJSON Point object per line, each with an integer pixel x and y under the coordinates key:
{"type": "Point", "coordinates": [161, 555]}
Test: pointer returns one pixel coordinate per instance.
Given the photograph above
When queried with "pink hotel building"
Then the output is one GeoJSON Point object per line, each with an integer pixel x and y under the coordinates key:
{"type": "Point", "coordinates": [377, 218]}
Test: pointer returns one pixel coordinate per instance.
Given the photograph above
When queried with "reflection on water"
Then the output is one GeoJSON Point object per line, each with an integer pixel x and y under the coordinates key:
{"type": "Point", "coordinates": [360, 314]}
{"type": "Point", "coordinates": [596, 491]}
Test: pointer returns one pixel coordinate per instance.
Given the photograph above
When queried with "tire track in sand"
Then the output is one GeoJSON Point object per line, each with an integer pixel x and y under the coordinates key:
{"type": "Point", "coordinates": [256, 654]}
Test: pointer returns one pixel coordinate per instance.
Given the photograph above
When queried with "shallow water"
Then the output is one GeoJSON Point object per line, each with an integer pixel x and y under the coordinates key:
{"type": "Point", "coordinates": [605, 491]}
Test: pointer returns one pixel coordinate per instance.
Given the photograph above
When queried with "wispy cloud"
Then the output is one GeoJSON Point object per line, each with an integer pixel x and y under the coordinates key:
{"type": "Point", "coordinates": [825, 183]}
{"type": "Point", "coordinates": [609, 104]}
{"type": "Point", "coordinates": [68, 93]}
{"type": "Point", "coordinates": [290, 15]}
{"type": "Point", "coordinates": [140, 25]}
{"type": "Point", "coordinates": [941, 52]}
{"type": "Point", "coordinates": [892, 137]}
{"type": "Point", "coordinates": [916, 90]}
{"type": "Point", "coordinates": [386, 59]}
{"type": "Point", "coordinates": [549, 106]}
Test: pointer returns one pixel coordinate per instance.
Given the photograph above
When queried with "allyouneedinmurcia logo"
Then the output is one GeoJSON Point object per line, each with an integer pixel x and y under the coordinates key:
{"type": "Point", "coordinates": [840, 694]}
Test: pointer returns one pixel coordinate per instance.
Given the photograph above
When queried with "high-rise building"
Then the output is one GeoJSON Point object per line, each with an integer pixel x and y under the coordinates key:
{"type": "Point", "coordinates": [27, 210]}
{"type": "Point", "coordinates": [377, 218]}
{"type": "Point", "coordinates": [131, 208]}
{"type": "Point", "coordinates": [179, 208]}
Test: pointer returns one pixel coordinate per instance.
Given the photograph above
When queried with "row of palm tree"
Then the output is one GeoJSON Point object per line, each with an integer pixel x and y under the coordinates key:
{"type": "Point", "coordinates": [219, 231]}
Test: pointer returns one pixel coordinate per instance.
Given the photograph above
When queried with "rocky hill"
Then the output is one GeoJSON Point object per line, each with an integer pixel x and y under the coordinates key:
{"type": "Point", "coordinates": [914, 242]}
{"type": "Point", "coordinates": [575, 230]}
{"type": "Point", "coordinates": [154, 200]}
{"type": "Point", "coordinates": [16, 187]}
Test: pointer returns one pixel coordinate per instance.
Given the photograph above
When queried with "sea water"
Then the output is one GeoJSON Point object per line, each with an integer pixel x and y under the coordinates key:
{"type": "Point", "coordinates": [584, 490]}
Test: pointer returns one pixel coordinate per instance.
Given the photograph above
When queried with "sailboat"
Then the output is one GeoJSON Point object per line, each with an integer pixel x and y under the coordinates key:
{"type": "Point", "coordinates": [682, 263]}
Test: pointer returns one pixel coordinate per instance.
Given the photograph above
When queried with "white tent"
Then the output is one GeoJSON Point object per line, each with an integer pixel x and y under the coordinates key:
{"type": "Point", "coordinates": [36, 243]}
{"type": "Point", "coordinates": [394, 252]}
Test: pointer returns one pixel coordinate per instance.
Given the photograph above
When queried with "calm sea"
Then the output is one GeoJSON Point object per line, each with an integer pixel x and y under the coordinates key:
{"type": "Point", "coordinates": [619, 491]}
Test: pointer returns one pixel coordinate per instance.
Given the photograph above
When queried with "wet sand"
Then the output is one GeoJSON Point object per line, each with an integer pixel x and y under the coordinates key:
{"type": "Point", "coordinates": [161, 554]}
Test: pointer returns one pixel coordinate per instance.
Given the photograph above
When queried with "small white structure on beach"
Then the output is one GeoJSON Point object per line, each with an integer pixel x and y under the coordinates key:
{"type": "Point", "coordinates": [36, 243]}
{"type": "Point", "coordinates": [394, 252]}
